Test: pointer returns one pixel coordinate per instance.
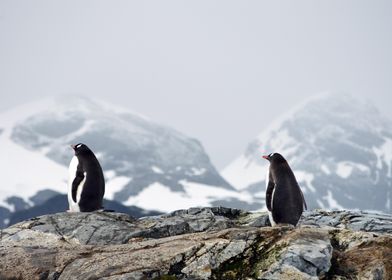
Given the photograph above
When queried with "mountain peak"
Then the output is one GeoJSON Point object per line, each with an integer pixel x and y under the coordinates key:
{"type": "Point", "coordinates": [60, 105]}
{"type": "Point", "coordinates": [338, 147]}
{"type": "Point", "coordinates": [143, 160]}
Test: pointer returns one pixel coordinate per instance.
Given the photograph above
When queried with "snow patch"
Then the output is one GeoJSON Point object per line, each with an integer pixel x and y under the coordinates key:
{"type": "Point", "coordinates": [325, 169]}
{"type": "Point", "coordinates": [198, 171]}
{"type": "Point", "coordinates": [259, 195]}
{"type": "Point", "coordinates": [6, 205]}
{"type": "Point", "coordinates": [320, 204]}
{"type": "Point", "coordinates": [244, 172]}
{"type": "Point", "coordinates": [332, 203]}
{"type": "Point", "coordinates": [361, 167]}
{"type": "Point", "coordinates": [25, 178]}
{"type": "Point", "coordinates": [280, 141]}
{"type": "Point", "coordinates": [87, 126]}
{"type": "Point", "coordinates": [344, 169]}
{"type": "Point", "coordinates": [306, 178]}
{"type": "Point", "coordinates": [157, 170]}
{"type": "Point", "coordinates": [384, 154]}
{"type": "Point", "coordinates": [159, 197]}
{"type": "Point", "coordinates": [110, 174]}
{"type": "Point", "coordinates": [211, 192]}
{"type": "Point", "coordinates": [114, 185]}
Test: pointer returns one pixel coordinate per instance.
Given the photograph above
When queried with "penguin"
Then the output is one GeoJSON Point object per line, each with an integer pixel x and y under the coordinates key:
{"type": "Point", "coordinates": [86, 185]}
{"type": "Point", "coordinates": [284, 198]}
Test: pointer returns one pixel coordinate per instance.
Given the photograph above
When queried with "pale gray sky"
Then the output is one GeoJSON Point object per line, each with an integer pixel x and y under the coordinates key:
{"type": "Point", "coordinates": [219, 71]}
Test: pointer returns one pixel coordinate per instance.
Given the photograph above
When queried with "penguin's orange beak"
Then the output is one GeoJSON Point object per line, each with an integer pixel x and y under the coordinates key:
{"type": "Point", "coordinates": [266, 157]}
{"type": "Point", "coordinates": [72, 146]}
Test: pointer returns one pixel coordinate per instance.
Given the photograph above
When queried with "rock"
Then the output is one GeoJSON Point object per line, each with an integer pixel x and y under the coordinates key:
{"type": "Point", "coordinates": [59, 203]}
{"type": "Point", "coordinates": [355, 220]}
{"type": "Point", "coordinates": [198, 243]}
{"type": "Point", "coordinates": [307, 252]}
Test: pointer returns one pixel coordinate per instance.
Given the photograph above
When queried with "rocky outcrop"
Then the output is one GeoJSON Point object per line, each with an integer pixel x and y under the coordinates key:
{"type": "Point", "coordinates": [199, 243]}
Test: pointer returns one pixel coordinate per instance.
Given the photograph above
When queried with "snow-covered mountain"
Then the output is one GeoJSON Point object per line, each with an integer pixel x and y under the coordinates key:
{"type": "Point", "coordinates": [146, 164]}
{"type": "Point", "coordinates": [339, 148]}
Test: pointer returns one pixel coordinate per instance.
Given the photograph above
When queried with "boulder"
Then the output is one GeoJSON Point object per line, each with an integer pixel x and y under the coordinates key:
{"type": "Point", "coordinates": [198, 243]}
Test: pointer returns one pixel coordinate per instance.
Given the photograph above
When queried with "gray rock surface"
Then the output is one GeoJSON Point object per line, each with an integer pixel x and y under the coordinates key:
{"type": "Point", "coordinates": [198, 243]}
{"type": "Point", "coordinates": [354, 220]}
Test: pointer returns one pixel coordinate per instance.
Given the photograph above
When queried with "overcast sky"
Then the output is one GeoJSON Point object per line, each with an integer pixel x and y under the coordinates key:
{"type": "Point", "coordinates": [219, 71]}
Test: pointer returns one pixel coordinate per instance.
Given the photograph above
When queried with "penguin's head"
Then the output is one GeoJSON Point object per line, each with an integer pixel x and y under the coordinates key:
{"type": "Point", "coordinates": [274, 157]}
{"type": "Point", "coordinates": [80, 149]}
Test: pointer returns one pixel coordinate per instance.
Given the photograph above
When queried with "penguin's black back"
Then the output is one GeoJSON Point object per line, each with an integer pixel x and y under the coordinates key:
{"type": "Point", "coordinates": [287, 201]}
{"type": "Point", "coordinates": [94, 187]}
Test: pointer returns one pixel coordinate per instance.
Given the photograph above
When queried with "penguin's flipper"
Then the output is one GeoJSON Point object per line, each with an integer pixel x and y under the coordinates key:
{"type": "Point", "coordinates": [268, 195]}
{"type": "Point", "coordinates": [75, 184]}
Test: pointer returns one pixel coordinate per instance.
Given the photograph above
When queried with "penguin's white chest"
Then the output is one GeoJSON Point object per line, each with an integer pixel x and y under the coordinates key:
{"type": "Point", "coordinates": [74, 206]}
{"type": "Point", "coordinates": [271, 219]}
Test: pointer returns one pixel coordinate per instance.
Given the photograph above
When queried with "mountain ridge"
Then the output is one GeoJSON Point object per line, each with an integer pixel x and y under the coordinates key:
{"type": "Point", "coordinates": [141, 159]}
{"type": "Point", "coordinates": [338, 147]}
